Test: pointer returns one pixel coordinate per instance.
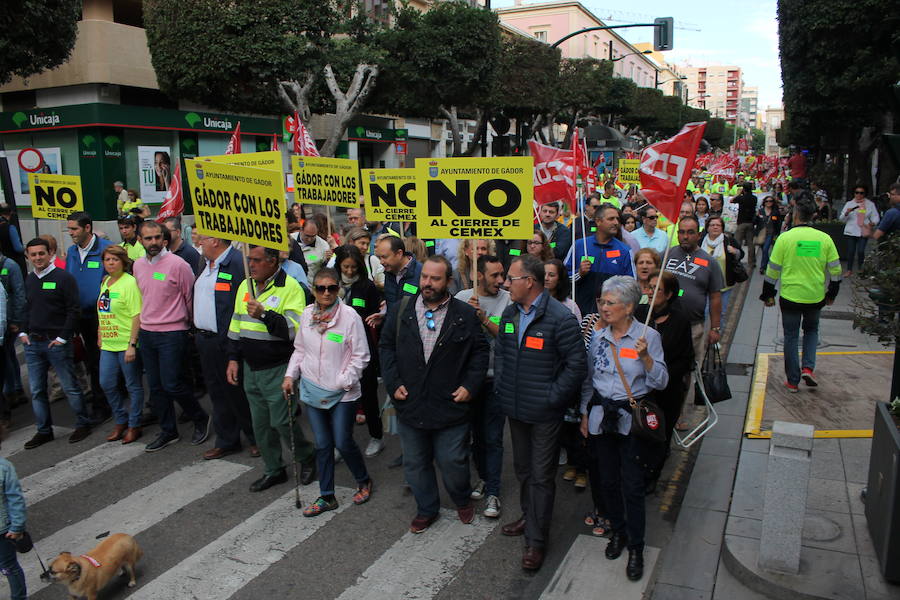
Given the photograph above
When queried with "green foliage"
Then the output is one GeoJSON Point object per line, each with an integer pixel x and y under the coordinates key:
{"type": "Point", "coordinates": [895, 407]}
{"type": "Point", "coordinates": [36, 35]}
{"type": "Point", "coordinates": [758, 145]}
{"type": "Point", "coordinates": [839, 60]}
{"type": "Point", "coordinates": [876, 292]}
{"type": "Point", "coordinates": [526, 78]}
{"type": "Point", "coordinates": [715, 130]}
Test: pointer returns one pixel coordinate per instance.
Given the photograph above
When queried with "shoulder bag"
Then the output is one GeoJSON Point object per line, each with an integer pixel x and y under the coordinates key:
{"type": "Point", "coordinates": [647, 420]}
{"type": "Point", "coordinates": [715, 380]}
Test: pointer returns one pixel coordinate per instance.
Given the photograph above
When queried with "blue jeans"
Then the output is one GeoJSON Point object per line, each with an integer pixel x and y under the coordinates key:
{"type": "Point", "coordinates": [333, 428]}
{"type": "Point", "coordinates": [856, 247]}
{"type": "Point", "coordinates": [13, 381]}
{"type": "Point", "coordinates": [449, 448]}
{"type": "Point", "coordinates": [110, 365]}
{"type": "Point", "coordinates": [618, 464]}
{"type": "Point", "coordinates": [487, 437]}
{"type": "Point", "coordinates": [766, 251]}
{"type": "Point", "coordinates": [9, 566]}
{"type": "Point", "coordinates": [791, 319]}
{"type": "Point", "coordinates": [39, 357]}
{"type": "Point", "coordinates": [164, 354]}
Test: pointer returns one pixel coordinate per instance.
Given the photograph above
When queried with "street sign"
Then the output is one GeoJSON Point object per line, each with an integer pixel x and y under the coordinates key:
{"type": "Point", "coordinates": [400, 147]}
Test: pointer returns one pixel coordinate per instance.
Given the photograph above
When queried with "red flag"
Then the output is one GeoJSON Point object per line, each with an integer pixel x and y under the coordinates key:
{"type": "Point", "coordinates": [274, 146]}
{"type": "Point", "coordinates": [234, 144]}
{"type": "Point", "coordinates": [292, 127]}
{"type": "Point", "coordinates": [174, 202]}
{"type": "Point", "coordinates": [554, 174]}
{"type": "Point", "coordinates": [303, 142]}
{"type": "Point", "coordinates": [666, 167]}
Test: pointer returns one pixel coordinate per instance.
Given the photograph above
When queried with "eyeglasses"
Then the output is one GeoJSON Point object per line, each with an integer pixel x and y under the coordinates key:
{"type": "Point", "coordinates": [608, 302]}
{"type": "Point", "coordinates": [652, 218]}
{"type": "Point", "coordinates": [429, 320]}
{"type": "Point", "coordinates": [511, 278]}
{"type": "Point", "coordinates": [535, 243]}
{"type": "Point", "coordinates": [331, 289]}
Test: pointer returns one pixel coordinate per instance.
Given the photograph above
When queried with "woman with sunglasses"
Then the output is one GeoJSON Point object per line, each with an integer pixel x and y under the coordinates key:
{"type": "Point", "coordinates": [860, 216]}
{"type": "Point", "coordinates": [330, 354]}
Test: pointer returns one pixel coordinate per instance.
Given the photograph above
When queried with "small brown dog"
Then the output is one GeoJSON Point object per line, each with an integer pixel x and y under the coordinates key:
{"type": "Point", "coordinates": [87, 574]}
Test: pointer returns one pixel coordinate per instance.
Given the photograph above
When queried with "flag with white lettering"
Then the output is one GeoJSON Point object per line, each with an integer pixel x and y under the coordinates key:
{"type": "Point", "coordinates": [274, 146]}
{"type": "Point", "coordinates": [174, 202]}
{"type": "Point", "coordinates": [666, 168]}
{"type": "Point", "coordinates": [554, 174]}
{"type": "Point", "coordinates": [234, 144]}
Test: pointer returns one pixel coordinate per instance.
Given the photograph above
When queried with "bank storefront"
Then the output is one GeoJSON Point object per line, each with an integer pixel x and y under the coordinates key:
{"type": "Point", "coordinates": [104, 143]}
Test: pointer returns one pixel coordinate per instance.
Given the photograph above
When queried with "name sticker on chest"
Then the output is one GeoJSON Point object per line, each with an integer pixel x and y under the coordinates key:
{"type": "Point", "coordinates": [514, 252]}
{"type": "Point", "coordinates": [225, 276]}
{"type": "Point", "coordinates": [410, 288]}
{"type": "Point", "coordinates": [93, 264]}
{"type": "Point", "coordinates": [809, 249]}
{"type": "Point", "coordinates": [360, 302]}
{"type": "Point", "coordinates": [613, 254]}
{"type": "Point", "coordinates": [114, 295]}
{"type": "Point", "coordinates": [535, 343]}
{"type": "Point", "coordinates": [335, 337]}
{"type": "Point", "coordinates": [48, 285]}
{"type": "Point", "coordinates": [159, 276]}
{"type": "Point", "coordinates": [223, 286]}
{"type": "Point", "coordinates": [4, 271]}
{"type": "Point", "coordinates": [509, 328]}
{"type": "Point", "coordinates": [701, 261]}
{"type": "Point", "coordinates": [628, 353]}
{"type": "Point", "coordinates": [429, 244]}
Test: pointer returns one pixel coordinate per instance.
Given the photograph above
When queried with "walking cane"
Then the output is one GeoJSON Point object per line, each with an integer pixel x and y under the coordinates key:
{"type": "Point", "coordinates": [290, 401]}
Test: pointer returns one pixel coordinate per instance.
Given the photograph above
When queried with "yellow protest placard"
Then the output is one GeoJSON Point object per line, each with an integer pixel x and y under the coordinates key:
{"type": "Point", "coordinates": [475, 197]}
{"type": "Point", "coordinates": [390, 194]}
{"type": "Point", "coordinates": [329, 181]}
{"type": "Point", "coordinates": [237, 203]}
{"type": "Point", "coordinates": [55, 196]}
{"type": "Point", "coordinates": [628, 171]}
{"type": "Point", "coordinates": [270, 160]}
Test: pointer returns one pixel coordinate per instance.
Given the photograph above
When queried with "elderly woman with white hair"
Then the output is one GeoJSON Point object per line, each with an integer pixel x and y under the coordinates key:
{"type": "Point", "coordinates": [625, 362]}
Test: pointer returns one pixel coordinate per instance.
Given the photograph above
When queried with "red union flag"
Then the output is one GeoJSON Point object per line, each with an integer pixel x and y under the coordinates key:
{"type": "Point", "coordinates": [554, 174]}
{"type": "Point", "coordinates": [666, 167]}
{"type": "Point", "coordinates": [234, 144]}
{"type": "Point", "coordinates": [174, 202]}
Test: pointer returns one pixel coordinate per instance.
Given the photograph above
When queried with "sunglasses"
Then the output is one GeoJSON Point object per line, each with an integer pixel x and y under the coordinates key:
{"type": "Point", "coordinates": [653, 218]}
{"type": "Point", "coordinates": [429, 320]}
{"type": "Point", "coordinates": [331, 289]}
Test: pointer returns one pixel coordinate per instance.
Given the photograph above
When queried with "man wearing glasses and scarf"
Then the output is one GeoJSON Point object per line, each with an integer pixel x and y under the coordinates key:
{"type": "Point", "coordinates": [434, 359]}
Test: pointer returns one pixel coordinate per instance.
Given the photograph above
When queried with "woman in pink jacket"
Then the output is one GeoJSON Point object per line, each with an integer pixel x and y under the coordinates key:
{"type": "Point", "coordinates": [330, 353]}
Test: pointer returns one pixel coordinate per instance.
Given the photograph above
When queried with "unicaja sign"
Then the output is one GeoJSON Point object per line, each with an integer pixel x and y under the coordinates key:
{"type": "Point", "coordinates": [217, 123]}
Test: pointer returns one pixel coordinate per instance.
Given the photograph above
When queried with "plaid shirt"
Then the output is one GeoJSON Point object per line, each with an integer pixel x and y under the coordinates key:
{"type": "Point", "coordinates": [429, 337]}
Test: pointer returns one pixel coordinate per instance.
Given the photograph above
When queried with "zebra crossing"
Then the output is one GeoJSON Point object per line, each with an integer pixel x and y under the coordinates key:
{"type": "Point", "coordinates": [268, 535]}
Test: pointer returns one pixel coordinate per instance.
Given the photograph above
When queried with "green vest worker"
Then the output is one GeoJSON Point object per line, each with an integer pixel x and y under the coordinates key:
{"type": "Point", "coordinates": [805, 259]}
{"type": "Point", "coordinates": [261, 341]}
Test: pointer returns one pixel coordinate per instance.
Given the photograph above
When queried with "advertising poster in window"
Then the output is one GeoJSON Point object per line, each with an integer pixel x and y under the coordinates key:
{"type": "Point", "coordinates": [155, 166]}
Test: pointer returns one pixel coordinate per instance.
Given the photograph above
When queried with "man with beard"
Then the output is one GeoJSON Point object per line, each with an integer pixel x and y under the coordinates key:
{"type": "Point", "coordinates": [434, 358]}
{"type": "Point", "coordinates": [167, 286]}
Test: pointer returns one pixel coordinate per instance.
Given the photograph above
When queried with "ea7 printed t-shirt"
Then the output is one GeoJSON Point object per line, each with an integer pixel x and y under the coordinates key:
{"type": "Point", "coordinates": [116, 307]}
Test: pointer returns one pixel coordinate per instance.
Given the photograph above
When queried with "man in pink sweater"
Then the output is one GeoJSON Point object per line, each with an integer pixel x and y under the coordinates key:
{"type": "Point", "coordinates": [167, 286]}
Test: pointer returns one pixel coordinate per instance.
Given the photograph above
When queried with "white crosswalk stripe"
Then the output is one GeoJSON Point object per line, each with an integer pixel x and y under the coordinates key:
{"type": "Point", "coordinates": [72, 471]}
{"type": "Point", "coordinates": [420, 565]}
{"type": "Point", "coordinates": [15, 440]}
{"type": "Point", "coordinates": [227, 564]}
{"type": "Point", "coordinates": [136, 512]}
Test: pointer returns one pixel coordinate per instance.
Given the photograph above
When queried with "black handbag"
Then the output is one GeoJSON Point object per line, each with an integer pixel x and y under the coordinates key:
{"type": "Point", "coordinates": [736, 271]}
{"type": "Point", "coordinates": [715, 380]}
{"type": "Point", "coordinates": [24, 543]}
{"type": "Point", "coordinates": [647, 421]}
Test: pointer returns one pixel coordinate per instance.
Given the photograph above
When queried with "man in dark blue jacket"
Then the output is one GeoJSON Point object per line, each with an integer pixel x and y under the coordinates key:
{"type": "Point", "coordinates": [434, 359]}
{"type": "Point", "coordinates": [214, 292]}
{"type": "Point", "coordinates": [401, 269]}
{"type": "Point", "coordinates": [540, 368]}
{"type": "Point", "coordinates": [84, 262]}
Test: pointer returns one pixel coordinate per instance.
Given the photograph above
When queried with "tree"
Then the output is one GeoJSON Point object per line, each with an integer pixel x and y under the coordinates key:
{"type": "Point", "coordinates": [36, 35]}
{"type": "Point", "coordinates": [758, 145]}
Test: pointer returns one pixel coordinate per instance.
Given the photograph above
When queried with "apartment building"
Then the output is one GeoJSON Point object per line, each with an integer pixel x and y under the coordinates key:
{"type": "Point", "coordinates": [716, 88]}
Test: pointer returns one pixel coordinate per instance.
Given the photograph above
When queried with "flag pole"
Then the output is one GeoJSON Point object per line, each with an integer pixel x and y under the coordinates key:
{"type": "Point", "coordinates": [251, 286]}
{"type": "Point", "coordinates": [474, 261]}
{"type": "Point", "coordinates": [662, 266]}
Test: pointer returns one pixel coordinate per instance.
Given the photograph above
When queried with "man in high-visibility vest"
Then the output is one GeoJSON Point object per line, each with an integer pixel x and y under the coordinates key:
{"type": "Point", "coordinates": [261, 341]}
{"type": "Point", "coordinates": [805, 259]}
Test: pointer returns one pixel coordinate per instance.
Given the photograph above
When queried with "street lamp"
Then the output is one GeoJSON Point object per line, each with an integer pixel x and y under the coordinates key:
{"type": "Point", "coordinates": [659, 83]}
{"type": "Point", "coordinates": [627, 55]}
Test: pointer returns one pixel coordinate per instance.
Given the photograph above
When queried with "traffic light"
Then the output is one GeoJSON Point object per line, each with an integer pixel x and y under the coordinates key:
{"type": "Point", "coordinates": [662, 33]}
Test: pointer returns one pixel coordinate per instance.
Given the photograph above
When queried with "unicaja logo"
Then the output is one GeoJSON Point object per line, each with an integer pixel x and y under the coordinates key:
{"type": "Point", "coordinates": [42, 119]}
{"type": "Point", "coordinates": [217, 123]}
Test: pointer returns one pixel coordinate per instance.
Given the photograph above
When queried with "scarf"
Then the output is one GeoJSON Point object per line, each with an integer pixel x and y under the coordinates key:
{"type": "Point", "coordinates": [346, 284]}
{"type": "Point", "coordinates": [714, 246]}
{"type": "Point", "coordinates": [321, 317]}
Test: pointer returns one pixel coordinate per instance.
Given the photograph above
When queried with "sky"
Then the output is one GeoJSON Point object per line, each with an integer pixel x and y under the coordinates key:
{"type": "Point", "coordinates": [731, 33]}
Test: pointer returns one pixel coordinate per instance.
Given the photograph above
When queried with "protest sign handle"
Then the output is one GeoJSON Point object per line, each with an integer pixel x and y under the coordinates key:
{"type": "Point", "coordinates": [474, 261]}
{"type": "Point", "coordinates": [251, 285]}
{"type": "Point", "coordinates": [672, 227]}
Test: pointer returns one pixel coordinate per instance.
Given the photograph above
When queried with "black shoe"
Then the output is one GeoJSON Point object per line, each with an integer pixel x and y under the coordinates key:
{"type": "Point", "coordinates": [397, 462]}
{"type": "Point", "coordinates": [616, 544]}
{"type": "Point", "coordinates": [201, 431]}
{"type": "Point", "coordinates": [161, 441]}
{"type": "Point", "coordinates": [183, 418]}
{"type": "Point", "coordinates": [79, 434]}
{"type": "Point", "coordinates": [308, 471]}
{"type": "Point", "coordinates": [634, 570]}
{"type": "Point", "coordinates": [267, 481]}
{"type": "Point", "coordinates": [148, 418]}
{"type": "Point", "coordinates": [39, 439]}
{"type": "Point", "coordinates": [100, 417]}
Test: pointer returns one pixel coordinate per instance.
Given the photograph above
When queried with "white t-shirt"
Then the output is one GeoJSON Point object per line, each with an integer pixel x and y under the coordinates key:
{"type": "Point", "coordinates": [493, 307]}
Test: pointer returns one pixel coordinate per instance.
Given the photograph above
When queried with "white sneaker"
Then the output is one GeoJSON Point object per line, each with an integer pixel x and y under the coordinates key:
{"type": "Point", "coordinates": [492, 510]}
{"type": "Point", "coordinates": [563, 456]}
{"type": "Point", "coordinates": [375, 446]}
{"type": "Point", "coordinates": [477, 491]}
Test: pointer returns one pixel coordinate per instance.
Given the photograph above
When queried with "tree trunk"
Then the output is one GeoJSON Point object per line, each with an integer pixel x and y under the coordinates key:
{"type": "Point", "coordinates": [567, 141]}
{"type": "Point", "coordinates": [470, 151]}
{"type": "Point", "coordinates": [453, 125]}
{"type": "Point", "coordinates": [347, 104]}
{"type": "Point", "coordinates": [296, 96]}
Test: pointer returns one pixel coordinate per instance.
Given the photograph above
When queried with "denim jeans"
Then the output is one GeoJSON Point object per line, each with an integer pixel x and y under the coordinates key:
{"type": "Point", "coordinates": [9, 566]}
{"type": "Point", "coordinates": [333, 428]}
{"type": "Point", "coordinates": [856, 247]}
{"type": "Point", "coordinates": [111, 363]}
{"type": "Point", "coordinates": [40, 356]}
{"type": "Point", "coordinates": [163, 354]}
{"type": "Point", "coordinates": [13, 381]}
{"type": "Point", "coordinates": [791, 322]}
{"type": "Point", "coordinates": [449, 448]}
{"type": "Point", "coordinates": [618, 464]}
{"type": "Point", "coordinates": [487, 437]}
{"type": "Point", "coordinates": [766, 251]}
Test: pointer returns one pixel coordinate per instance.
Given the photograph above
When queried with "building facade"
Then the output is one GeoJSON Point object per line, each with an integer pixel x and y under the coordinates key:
{"type": "Point", "coordinates": [774, 117]}
{"type": "Point", "coordinates": [716, 88]}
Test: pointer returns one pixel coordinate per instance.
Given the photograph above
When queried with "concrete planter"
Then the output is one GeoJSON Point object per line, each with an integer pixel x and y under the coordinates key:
{"type": "Point", "coordinates": [883, 493]}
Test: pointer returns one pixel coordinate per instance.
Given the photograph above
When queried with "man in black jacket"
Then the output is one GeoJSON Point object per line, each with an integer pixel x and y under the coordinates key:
{"type": "Point", "coordinates": [746, 220]}
{"type": "Point", "coordinates": [540, 368]}
{"type": "Point", "coordinates": [434, 359]}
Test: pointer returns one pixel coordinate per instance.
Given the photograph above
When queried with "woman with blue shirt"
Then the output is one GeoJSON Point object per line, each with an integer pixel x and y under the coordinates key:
{"type": "Point", "coordinates": [624, 345]}
{"type": "Point", "coordinates": [12, 527]}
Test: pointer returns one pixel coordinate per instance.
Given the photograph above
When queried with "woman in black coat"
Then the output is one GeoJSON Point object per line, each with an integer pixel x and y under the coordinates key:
{"type": "Point", "coordinates": [358, 292]}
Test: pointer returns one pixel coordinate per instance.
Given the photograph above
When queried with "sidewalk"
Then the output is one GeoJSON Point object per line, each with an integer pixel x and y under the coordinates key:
{"type": "Point", "coordinates": [713, 554]}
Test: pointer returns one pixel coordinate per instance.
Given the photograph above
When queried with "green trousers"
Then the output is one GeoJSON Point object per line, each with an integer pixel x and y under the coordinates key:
{"type": "Point", "coordinates": [269, 411]}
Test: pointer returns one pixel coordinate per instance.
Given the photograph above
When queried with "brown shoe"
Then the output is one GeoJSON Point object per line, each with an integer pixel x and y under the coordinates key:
{"type": "Point", "coordinates": [215, 453]}
{"type": "Point", "coordinates": [131, 434]}
{"type": "Point", "coordinates": [515, 528]}
{"type": "Point", "coordinates": [532, 559]}
{"type": "Point", "coordinates": [466, 514]}
{"type": "Point", "coordinates": [254, 451]}
{"type": "Point", "coordinates": [421, 523]}
{"type": "Point", "coordinates": [116, 434]}
{"type": "Point", "coordinates": [79, 434]}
